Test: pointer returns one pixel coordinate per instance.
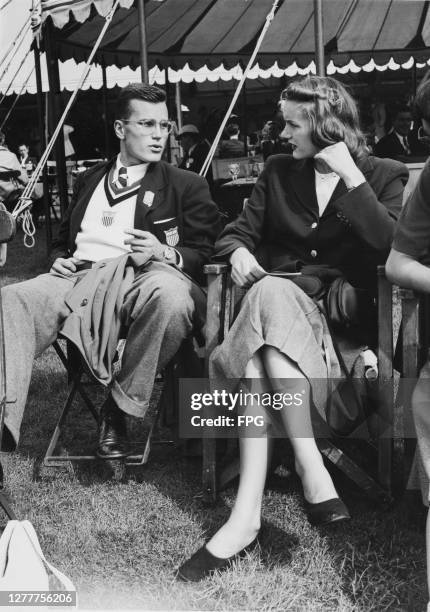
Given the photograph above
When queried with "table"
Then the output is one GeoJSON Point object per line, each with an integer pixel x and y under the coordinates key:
{"type": "Point", "coordinates": [241, 182]}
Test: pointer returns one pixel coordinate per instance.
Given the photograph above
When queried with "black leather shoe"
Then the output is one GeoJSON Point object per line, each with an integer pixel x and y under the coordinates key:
{"type": "Point", "coordinates": [327, 512]}
{"type": "Point", "coordinates": [203, 563]}
{"type": "Point", "coordinates": [112, 432]}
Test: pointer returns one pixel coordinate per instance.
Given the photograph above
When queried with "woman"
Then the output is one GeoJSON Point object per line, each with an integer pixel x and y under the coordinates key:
{"type": "Point", "coordinates": [327, 210]}
{"type": "Point", "coordinates": [408, 266]}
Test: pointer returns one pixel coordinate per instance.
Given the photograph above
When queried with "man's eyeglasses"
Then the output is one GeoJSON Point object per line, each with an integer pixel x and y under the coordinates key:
{"type": "Point", "coordinates": [148, 126]}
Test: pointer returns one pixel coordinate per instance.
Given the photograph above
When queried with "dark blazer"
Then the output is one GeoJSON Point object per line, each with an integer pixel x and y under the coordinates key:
{"type": "Point", "coordinates": [194, 161]}
{"type": "Point", "coordinates": [181, 204]}
{"type": "Point", "coordinates": [231, 148]}
{"type": "Point", "coordinates": [390, 146]}
{"type": "Point", "coordinates": [281, 222]}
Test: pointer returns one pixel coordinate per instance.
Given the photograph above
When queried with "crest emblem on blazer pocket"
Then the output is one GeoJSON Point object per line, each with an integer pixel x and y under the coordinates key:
{"type": "Point", "coordinates": [108, 217]}
{"type": "Point", "coordinates": [172, 236]}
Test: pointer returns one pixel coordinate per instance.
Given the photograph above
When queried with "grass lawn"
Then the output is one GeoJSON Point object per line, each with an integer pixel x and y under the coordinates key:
{"type": "Point", "coordinates": [120, 542]}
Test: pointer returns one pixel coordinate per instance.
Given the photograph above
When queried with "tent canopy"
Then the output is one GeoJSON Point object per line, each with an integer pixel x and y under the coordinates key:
{"type": "Point", "coordinates": [211, 32]}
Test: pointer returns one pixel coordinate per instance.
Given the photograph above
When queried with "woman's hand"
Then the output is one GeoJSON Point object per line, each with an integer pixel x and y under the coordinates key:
{"type": "Point", "coordinates": [245, 268]}
{"type": "Point", "coordinates": [338, 158]}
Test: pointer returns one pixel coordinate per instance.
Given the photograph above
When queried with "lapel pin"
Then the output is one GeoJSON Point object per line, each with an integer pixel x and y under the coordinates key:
{"type": "Point", "coordinates": [148, 198]}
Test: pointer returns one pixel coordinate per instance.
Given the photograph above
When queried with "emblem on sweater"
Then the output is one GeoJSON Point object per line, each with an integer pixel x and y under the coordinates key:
{"type": "Point", "coordinates": [148, 198]}
{"type": "Point", "coordinates": [172, 236]}
{"type": "Point", "coordinates": [108, 217]}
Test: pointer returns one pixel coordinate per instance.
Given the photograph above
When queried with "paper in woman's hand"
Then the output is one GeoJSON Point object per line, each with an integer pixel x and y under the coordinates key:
{"type": "Point", "coordinates": [282, 274]}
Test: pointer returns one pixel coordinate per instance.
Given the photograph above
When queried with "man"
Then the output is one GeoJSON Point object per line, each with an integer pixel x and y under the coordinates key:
{"type": "Point", "coordinates": [409, 266]}
{"type": "Point", "coordinates": [233, 147]}
{"type": "Point", "coordinates": [134, 213]}
{"type": "Point", "coordinates": [271, 143]}
{"type": "Point", "coordinates": [13, 177]}
{"type": "Point", "coordinates": [401, 142]}
{"type": "Point", "coordinates": [195, 148]}
{"type": "Point", "coordinates": [26, 161]}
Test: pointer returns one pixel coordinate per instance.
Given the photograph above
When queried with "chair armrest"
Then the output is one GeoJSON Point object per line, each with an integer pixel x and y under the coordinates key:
{"type": "Point", "coordinates": [219, 306]}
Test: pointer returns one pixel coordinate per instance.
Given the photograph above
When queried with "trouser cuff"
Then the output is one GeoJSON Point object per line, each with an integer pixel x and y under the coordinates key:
{"type": "Point", "coordinates": [127, 404]}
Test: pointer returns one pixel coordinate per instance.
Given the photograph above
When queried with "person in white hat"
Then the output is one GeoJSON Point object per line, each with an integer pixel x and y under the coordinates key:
{"type": "Point", "coordinates": [195, 148]}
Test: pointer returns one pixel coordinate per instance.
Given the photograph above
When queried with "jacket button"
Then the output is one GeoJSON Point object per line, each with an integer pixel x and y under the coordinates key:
{"type": "Point", "coordinates": [314, 225]}
{"type": "Point", "coordinates": [84, 302]}
{"type": "Point", "coordinates": [313, 253]}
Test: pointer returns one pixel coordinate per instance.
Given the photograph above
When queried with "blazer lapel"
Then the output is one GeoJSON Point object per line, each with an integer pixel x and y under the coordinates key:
{"type": "Point", "coordinates": [150, 193]}
{"type": "Point", "coordinates": [302, 182]}
{"type": "Point", "coordinates": [89, 184]}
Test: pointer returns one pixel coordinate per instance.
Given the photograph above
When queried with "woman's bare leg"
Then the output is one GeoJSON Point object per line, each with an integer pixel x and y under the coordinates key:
{"type": "Point", "coordinates": [317, 483]}
{"type": "Point", "coordinates": [244, 522]}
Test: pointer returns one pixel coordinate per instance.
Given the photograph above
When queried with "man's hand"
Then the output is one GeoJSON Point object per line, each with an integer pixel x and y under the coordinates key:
{"type": "Point", "coordinates": [245, 268]}
{"type": "Point", "coordinates": [64, 266]}
{"type": "Point", "coordinates": [338, 158]}
{"type": "Point", "coordinates": [145, 242]}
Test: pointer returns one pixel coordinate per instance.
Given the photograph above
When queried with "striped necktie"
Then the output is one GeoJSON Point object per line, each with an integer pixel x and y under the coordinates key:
{"type": "Point", "coordinates": [122, 177]}
{"type": "Point", "coordinates": [406, 145]}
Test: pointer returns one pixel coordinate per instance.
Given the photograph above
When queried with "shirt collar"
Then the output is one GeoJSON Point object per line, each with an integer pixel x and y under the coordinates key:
{"type": "Point", "coordinates": [134, 173]}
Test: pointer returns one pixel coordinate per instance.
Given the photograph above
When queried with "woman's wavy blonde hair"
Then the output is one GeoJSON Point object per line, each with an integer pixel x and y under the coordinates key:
{"type": "Point", "coordinates": [331, 110]}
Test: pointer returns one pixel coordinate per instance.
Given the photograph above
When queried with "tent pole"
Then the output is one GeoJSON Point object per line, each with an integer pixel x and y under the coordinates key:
{"type": "Point", "coordinates": [319, 44]}
{"type": "Point", "coordinates": [40, 117]}
{"type": "Point", "coordinates": [178, 103]}
{"type": "Point", "coordinates": [167, 90]}
{"type": "Point", "coordinates": [244, 122]}
{"type": "Point", "coordinates": [54, 95]}
{"type": "Point", "coordinates": [105, 111]}
{"type": "Point", "coordinates": [142, 37]}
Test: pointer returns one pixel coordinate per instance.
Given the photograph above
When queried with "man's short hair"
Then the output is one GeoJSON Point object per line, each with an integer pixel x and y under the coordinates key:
{"type": "Point", "coordinates": [137, 91]}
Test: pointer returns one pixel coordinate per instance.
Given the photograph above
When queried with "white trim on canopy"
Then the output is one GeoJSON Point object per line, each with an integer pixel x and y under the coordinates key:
{"type": "Point", "coordinates": [70, 73]}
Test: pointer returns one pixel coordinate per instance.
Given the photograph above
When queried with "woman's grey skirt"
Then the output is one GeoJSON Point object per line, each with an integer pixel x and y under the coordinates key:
{"type": "Point", "coordinates": [277, 313]}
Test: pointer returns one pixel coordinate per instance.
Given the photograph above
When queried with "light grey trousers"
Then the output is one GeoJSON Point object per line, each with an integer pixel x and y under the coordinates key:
{"type": "Point", "coordinates": [158, 313]}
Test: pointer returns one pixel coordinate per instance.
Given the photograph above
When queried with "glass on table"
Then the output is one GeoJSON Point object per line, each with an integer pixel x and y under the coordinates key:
{"type": "Point", "coordinates": [248, 171]}
{"type": "Point", "coordinates": [234, 169]}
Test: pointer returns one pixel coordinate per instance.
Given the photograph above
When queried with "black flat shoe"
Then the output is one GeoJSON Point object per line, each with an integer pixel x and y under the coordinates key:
{"type": "Point", "coordinates": [327, 512]}
{"type": "Point", "coordinates": [112, 442]}
{"type": "Point", "coordinates": [203, 563]}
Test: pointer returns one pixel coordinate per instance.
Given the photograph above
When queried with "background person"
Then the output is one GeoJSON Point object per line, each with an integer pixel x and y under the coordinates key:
{"type": "Point", "coordinates": [28, 162]}
{"type": "Point", "coordinates": [327, 211]}
{"type": "Point", "coordinates": [401, 142]}
{"type": "Point", "coordinates": [408, 266]}
{"type": "Point", "coordinates": [13, 177]}
{"type": "Point", "coordinates": [195, 148]}
{"type": "Point", "coordinates": [232, 146]}
{"type": "Point", "coordinates": [271, 143]}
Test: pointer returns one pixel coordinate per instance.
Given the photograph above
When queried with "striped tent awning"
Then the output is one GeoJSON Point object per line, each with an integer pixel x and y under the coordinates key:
{"type": "Point", "coordinates": [212, 32]}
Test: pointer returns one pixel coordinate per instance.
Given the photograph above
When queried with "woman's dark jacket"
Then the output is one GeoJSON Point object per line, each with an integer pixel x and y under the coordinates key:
{"type": "Point", "coordinates": [281, 223]}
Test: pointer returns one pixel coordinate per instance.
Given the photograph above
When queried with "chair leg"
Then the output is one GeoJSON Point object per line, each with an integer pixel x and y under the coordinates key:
{"type": "Point", "coordinates": [353, 471]}
{"type": "Point", "coordinates": [55, 460]}
{"type": "Point", "coordinates": [209, 470]}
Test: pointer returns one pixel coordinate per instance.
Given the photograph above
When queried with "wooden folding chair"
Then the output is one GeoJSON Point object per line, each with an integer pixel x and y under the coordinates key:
{"type": "Point", "coordinates": [220, 308]}
{"type": "Point", "coordinates": [79, 378]}
{"type": "Point", "coordinates": [406, 357]}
